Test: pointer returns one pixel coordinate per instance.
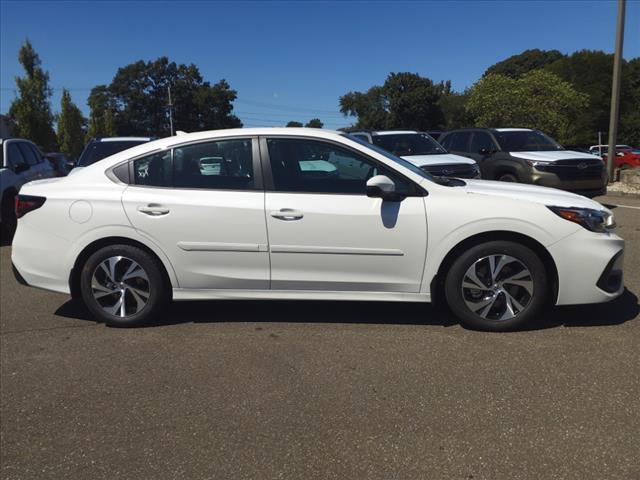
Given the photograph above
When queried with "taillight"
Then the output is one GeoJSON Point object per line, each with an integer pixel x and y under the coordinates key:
{"type": "Point", "coordinates": [27, 203]}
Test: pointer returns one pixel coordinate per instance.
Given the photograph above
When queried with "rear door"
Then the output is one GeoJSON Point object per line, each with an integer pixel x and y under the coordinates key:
{"type": "Point", "coordinates": [203, 204]}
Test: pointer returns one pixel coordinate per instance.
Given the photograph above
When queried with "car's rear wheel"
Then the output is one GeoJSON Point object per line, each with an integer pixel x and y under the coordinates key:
{"type": "Point", "coordinates": [498, 285]}
{"type": "Point", "coordinates": [123, 285]}
{"type": "Point", "coordinates": [507, 177]}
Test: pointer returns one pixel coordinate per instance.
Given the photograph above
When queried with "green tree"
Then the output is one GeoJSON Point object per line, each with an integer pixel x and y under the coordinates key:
{"type": "Point", "coordinates": [71, 124]}
{"type": "Point", "coordinates": [453, 107]}
{"type": "Point", "coordinates": [517, 65]}
{"type": "Point", "coordinates": [293, 123]}
{"type": "Point", "coordinates": [590, 72]}
{"type": "Point", "coordinates": [138, 100]}
{"type": "Point", "coordinates": [538, 99]}
{"type": "Point", "coordinates": [405, 100]}
{"type": "Point", "coordinates": [30, 113]}
{"type": "Point", "coordinates": [101, 117]}
{"type": "Point", "coordinates": [314, 123]}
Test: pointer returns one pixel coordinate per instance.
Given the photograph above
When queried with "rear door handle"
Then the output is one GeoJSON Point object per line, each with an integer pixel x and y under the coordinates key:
{"type": "Point", "coordinates": [153, 210]}
{"type": "Point", "coordinates": [287, 214]}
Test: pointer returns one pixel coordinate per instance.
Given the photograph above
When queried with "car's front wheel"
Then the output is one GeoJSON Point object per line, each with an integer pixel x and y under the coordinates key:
{"type": "Point", "coordinates": [498, 285]}
{"type": "Point", "coordinates": [123, 285]}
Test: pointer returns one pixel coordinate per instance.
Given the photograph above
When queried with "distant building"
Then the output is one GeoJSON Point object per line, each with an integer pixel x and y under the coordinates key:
{"type": "Point", "coordinates": [5, 131]}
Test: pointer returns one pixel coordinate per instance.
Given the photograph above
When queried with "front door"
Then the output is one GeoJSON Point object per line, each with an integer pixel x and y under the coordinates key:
{"type": "Point", "coordinates": [326, 234]}
{"type": "Point", "coordinates": [203, 204]}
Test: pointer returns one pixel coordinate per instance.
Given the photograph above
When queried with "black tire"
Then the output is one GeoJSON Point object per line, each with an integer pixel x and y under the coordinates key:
{"type": "Point", "coordinates": [9, 220]}
{"type": "Point", "coordinates": [501, 294]}
{"type": "Point", "coordinates": [154, 282]}
{"type": "Point", "coordinates": [508, 177]}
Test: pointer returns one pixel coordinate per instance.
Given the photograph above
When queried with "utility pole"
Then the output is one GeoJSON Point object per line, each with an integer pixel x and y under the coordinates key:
{"type": "Point", "coordinates": [170, 111]}
{"type": "Point", "coordinates": [615, 90]}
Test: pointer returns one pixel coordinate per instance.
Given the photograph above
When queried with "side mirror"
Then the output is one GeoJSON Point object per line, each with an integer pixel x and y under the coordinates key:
{"type": "Point", "coordinates": [484, 151]}
{"type": "Point", "coordinates": [70, 164]}
{"type": "Point", "coordinates": [383, 187]}
{"type": "Point", "coordinates": [21, 167]}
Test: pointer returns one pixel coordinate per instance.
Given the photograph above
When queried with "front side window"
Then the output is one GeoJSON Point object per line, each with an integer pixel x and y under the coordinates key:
{"type": "Point", "coordinates": [480, 141]}
{"type": "Point", "coordinates": [15, 155]}
{"type": "Point", "coordinates": [459, 142]}
{"type": "Point", "coordinates": [223, 164]}
{"type": "Point", "coordinates": [28, 154]}
{"type": "Point", "coordinates": [300, 165]}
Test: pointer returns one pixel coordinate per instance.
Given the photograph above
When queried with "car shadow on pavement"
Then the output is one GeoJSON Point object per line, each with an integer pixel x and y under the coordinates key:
{"type": "Point", "coordinates": [619, 311]}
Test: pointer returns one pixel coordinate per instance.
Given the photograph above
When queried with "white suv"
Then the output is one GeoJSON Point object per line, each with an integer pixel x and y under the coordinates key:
{"type": "Point", "coordinates": [243, 213]}
{"type": "Point", "coordinates": [423, 151]}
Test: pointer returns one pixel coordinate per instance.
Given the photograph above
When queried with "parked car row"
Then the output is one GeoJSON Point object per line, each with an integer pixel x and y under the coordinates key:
{"type": "Point", "coordinates": [21, 161]}
{"type": "Point", "coordinates": [506, 154]}
{"type": "Point", "coordinates": [626, 156]}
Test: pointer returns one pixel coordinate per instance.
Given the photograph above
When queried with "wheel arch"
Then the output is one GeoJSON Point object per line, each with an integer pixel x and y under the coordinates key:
{"type": "Point", "coordinates": [437, 283]}
{"type": "Point", "coordinates": [88, 250]}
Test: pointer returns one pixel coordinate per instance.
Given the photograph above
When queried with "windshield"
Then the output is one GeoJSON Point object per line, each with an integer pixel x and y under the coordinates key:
{"type": "Point", "coordinates": [526, 141]}
{"type": "Point", "coordinates": [401, 161]}
{"type": "Point", "coordinates": [407, 144]}
{"type": "Point", "coordinates": [96, 151]}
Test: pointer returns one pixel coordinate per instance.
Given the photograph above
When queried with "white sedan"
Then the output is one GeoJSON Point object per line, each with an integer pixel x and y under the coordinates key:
{"type": "Point", "coordinates": [151, 224]}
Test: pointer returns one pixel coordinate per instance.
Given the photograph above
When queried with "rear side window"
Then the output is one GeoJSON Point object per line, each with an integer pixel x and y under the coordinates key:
{"type": "Point", "coordinates": [28, 154]}
{"type": "Point", "coordinates": [153, 170]}
{"type": "Point", "coordinates": [223, 164]}
{"type": "Point", "coordinates": [459, 142]}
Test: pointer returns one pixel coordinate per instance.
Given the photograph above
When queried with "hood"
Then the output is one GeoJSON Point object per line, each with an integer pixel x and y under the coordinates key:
{"type": "Point", "coordinates": [531, 193]}
{"type": "Point", "coordinates": [554, 155]}
{"type": "Point", "coordinates": [439, 159]}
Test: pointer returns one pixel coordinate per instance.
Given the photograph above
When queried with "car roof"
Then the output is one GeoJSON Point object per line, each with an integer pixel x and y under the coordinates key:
{"type": "Point", "coordinates": [512, 129]}
{"type": "Point", "coordinates": [184, 138]}
{"type": "Point", "coordinates": [386, 132]}
{"type": "Point", "coordinates": [122, 139]}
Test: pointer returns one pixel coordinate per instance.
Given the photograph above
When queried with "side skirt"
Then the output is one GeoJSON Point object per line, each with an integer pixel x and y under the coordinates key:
{"type": "Point", "coordinates": [180, 294]}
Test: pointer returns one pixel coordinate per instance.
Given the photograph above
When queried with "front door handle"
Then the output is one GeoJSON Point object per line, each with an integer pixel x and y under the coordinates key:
{"type": "Point", "coordinates": [153, 210]}
{"type": "Point", "coordinates": [287, 214]}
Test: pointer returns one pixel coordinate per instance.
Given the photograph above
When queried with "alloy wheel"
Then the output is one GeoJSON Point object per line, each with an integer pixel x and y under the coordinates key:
{"type": "Point", "coordinates": [497, 287]}
{"type": "Point", "coordinates": [120, 286]}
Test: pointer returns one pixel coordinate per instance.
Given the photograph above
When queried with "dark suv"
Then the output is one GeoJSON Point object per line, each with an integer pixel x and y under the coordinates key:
{"type": "Point", "coordinates": [528, 156]}
{"type": "Point", "coordinates": [100, 148]}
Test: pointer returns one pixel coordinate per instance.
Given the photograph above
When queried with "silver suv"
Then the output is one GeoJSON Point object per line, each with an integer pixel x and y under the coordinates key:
{"type": "Point", "coordinates": [20, 162]}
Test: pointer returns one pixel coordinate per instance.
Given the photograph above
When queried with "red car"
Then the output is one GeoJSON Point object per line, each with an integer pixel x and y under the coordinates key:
{"type": "Point", "coordinates": [627, 157]}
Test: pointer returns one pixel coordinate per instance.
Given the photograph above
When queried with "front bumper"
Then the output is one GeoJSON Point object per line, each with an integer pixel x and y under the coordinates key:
{"type": "Point", "coordinates": [584, 186]}
{"type": "Point", "coordinates": [589, 267]}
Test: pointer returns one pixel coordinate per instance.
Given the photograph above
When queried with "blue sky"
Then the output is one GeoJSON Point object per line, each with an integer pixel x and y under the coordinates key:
{"type": "Point", "coordinates": [292, 60]}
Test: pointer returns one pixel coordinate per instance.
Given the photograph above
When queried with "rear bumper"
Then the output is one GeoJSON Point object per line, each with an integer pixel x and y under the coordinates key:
{"type": "Point", "coordinates": [19, 278]}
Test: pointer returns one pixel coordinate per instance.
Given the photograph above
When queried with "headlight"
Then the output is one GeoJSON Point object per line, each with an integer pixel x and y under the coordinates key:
{"type": "Point", "coordinates": [538, 165]}
{"type": "Point", "coordinates": [593, 220]}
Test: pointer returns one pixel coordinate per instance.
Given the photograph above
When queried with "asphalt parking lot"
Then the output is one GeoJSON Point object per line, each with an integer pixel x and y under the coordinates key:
{"type": "Point", "coordinates": [305, 390]}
